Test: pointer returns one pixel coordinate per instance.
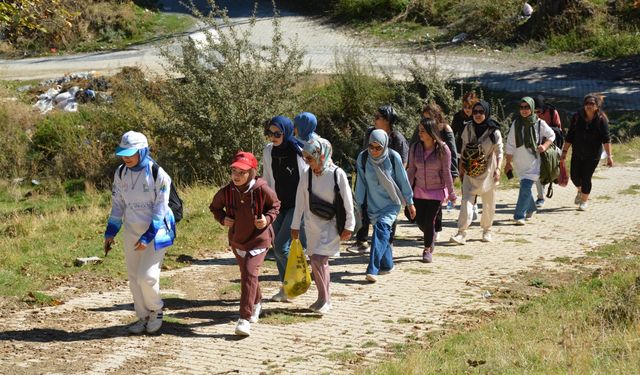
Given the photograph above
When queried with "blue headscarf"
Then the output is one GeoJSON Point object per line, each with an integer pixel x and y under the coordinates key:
{"type": "Point", "coordinates": [144, 159]}
{"type": "Point", "coordinates": [286, 127]}
{"type": "Point", "coordinates": [306, 124]}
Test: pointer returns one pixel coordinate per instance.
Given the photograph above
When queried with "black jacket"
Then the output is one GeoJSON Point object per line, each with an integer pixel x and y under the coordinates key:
{"type": "Point", "coordinates": [587, 138]}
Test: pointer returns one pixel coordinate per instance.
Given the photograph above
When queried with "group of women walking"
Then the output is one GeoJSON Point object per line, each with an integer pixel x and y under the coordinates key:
{"type": "Point", "coordinates": [301, 192]}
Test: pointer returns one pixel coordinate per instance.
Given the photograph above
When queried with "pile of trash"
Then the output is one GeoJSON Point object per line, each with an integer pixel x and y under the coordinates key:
{"type": "Point", "coordinates": [65, 93]}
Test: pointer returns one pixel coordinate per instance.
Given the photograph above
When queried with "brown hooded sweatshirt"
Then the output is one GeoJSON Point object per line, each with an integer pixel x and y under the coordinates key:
{"type": "Point", "coordinates": [245, 207]}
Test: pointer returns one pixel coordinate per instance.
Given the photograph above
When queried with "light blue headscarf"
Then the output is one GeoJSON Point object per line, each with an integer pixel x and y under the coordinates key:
{"type": "Point", "coordinates": [144, 159]}
{"type": "Point", "coordinates": [385, 178]}
{"type": "Point", "coordinates": [317, 148]}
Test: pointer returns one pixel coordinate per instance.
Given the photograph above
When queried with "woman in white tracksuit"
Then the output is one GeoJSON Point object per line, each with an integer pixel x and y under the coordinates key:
{"type": "Point", "coordinates": [140, 201]}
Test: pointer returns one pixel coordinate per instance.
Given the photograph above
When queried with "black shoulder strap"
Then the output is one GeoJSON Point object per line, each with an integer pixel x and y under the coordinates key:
{"type": "Point", "coordinates": [336, 188]}
{"type": "Point", "coordinates": [365, 157]}
{"type": "Point", "coordinates": [154, 170]}
{"type": "Point", "coordinates": [120, 168]}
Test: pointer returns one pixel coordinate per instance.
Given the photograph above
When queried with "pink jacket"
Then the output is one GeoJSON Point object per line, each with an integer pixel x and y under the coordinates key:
{"type": "Point", "coordinates": [433, 173]}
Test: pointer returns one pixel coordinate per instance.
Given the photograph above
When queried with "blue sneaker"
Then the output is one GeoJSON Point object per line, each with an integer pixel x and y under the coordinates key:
{"type": "Point", "coordinates": [539, 203]}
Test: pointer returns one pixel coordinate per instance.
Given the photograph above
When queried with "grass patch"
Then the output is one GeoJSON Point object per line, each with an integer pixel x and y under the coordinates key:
{"type": "Point", "coordinates": [419, 271]}
{"type": "Point", "coordinates": [518, 240]}
{"type": "Point", "coordinates": [405, 320]}
{"type": "Point", "coordinates": [38, 246]}
{"type": "Point", "coordinates": [631, 190]}
{"type": "Point", "coordinates": [345, 357]}
{"type": "Point", "coordinates": [284, 317]}
{"type": "Point", "coordinates": [589, 326]}
{"type": "Point", "coordinates": [564, 260]}
{"type": "Point", "coordinates": [172, 319]}
{"type": "Point", "coordinates": [370, 344]}
{"type": "Point", "coordinates": [604, 197]}
{"type": "Point", "coordinates": [456, 256]}
{"type": "Point", "coordinates": [233, 288]}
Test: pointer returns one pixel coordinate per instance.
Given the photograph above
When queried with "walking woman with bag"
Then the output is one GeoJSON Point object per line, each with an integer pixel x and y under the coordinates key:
{"type": "Point", "coordinates": [529, 136]}
{"type": "Point", "coordinates": [480, 159]}
{"type": "Point", "coordinates": [588, 133]}
{"type": "Point", "coordinates": [282, 168]}
{"type": "Point", "coordinates": [429, 172]}
{"type": "Point", "coordinates": [248, 207]}
{"type": "Point", "coordinates": [323, 186]}
{"type": "Point", "coordinates": [382, 182]}
{"type": "Point", "coordinates": [140, 201]}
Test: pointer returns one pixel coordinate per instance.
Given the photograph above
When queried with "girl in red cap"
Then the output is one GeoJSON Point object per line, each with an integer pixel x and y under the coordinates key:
{"type": "Point", "coordinates": [247, 206]}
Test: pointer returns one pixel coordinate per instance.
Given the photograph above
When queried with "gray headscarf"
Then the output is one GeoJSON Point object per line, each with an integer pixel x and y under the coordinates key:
{"type": "Point", "coordinates": [385, 178]}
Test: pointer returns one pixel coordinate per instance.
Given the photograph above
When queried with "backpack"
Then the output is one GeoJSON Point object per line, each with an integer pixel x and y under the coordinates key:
{"type": "Point", "coordinates": [175, 203]}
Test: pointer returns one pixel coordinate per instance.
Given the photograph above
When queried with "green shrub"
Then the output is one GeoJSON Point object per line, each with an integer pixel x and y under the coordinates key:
{"type": "Point", "coordinates": [367, 9]}
{"type": "Point", "coordinates": [229, 89]}
{"type": "Point", "coordinates": [16, 123]}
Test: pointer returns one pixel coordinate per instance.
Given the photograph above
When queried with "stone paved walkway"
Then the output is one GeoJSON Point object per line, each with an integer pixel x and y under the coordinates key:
{"type": "Point", "coordinates": [365, 323]}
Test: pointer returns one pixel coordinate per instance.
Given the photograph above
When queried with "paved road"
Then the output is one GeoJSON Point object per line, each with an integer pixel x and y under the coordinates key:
{"type": "Point", "coordinates": [323, 41]}
{"type": "Point", "coordinates": [87, 334]}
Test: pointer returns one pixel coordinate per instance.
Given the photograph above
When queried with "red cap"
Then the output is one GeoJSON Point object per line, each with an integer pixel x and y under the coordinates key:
{"type": "Point", "coordinates": [245, 161]}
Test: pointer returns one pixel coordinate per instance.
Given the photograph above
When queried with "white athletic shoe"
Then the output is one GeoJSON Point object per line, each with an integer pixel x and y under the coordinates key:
{"type": "Point", "coordinates": [257, 309]}
{"type": "Point", "coordinates": [459, 239]}
{"type": "Point", "coordinates": [520, 222]}
{"type": "Point", "coordinates": [583, 206]}
{"type": "Point", "coordinates": [281, 296]}
{"type": "Point", "coordinates": [138, 327]}
{"type": "Point", "coordinates": [486, 236]}
{"type": "Point", "coordinates": [155, 321]}
{"type": "Point", "coordinates": [243, 328]}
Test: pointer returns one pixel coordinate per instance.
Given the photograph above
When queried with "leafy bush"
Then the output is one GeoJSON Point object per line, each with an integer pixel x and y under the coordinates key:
{"type": "Point", "coordinates": [229, 89]}
{"type": "Point", "coordinates": [367, 9]}
{"type": "Point", "coordinates": [16, 122]}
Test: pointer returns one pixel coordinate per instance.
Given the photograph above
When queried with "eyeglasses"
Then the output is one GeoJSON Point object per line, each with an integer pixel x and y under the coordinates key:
{"type": "Point", "coordinates": [374, 147]}
{"type": "Point", "coordinates": [525, 107]}
{"type": "Point", "coordinates": [478, 112]}
{"type": "Point", "coordinates": [275, 134]}
{"type": "Point", "coordinates": [590, 104]}
{"type": "Point", "coordinates": [308, 158]}
{"type": "Point", "coordinates": [238, 172]}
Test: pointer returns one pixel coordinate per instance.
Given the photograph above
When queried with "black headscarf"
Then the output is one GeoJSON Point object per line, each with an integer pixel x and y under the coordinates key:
{"type": "Point", "coordinates": [488, 122]}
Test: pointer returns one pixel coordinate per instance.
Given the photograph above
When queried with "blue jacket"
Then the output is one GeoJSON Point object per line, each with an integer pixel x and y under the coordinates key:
{"type": "Point", "coordinates": [380, 207]}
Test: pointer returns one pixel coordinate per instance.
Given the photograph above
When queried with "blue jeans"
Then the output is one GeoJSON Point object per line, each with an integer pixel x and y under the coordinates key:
{"type": "Point", "coordinates": [282, 240]}
{"type": "Point", "coordinates": [525, 203]}
{"type": "Point", "coordinates": [381, 255]}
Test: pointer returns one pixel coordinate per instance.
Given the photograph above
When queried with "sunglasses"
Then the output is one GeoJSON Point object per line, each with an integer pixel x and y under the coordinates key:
{"type": "Point", "coordinates": [525, 107]}
{"type": "Point", "coordinates": [308, 158]}
{"type": "Point", "coordinates": [478, 112]}
{"type": "Point", "coordinates": [375, 147]}
{"type": "Point", "coordinates": [589, 103]}
{"type": "Point", "coordinates": [379, 116]}
{"type": "Point", "coordinates": [275, 134]}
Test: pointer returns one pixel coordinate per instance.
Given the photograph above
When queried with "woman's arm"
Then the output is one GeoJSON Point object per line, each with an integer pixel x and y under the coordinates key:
{"type": "Point", "coordinates": [114, 223]}
{"type": "Point", "coordinates": [361, 188]}
{"type": "Point", "coordinates": [218, 205]}
{"type": "Point", "coordinates": [301, 202]}
{"type": "Point", "coordinates": [347, 198]}
{"type": "Point", "coordinates": [162, 187]}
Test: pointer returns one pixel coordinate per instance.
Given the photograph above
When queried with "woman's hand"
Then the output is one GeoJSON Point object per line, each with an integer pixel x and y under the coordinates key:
{"type": "Point", "coordinates": [609, 161]}
{"type": "Point", "coordinates": [261, 223]}
{"type": "Point", "coordinates": [508, 167]}
{"type": "Point", "coordinates": [295, 234]}
{"type": "Point", "coordinates": [140, 246]}
{"type": "Point", "coordinates": [346, 234]}
{"type": "Point", "coordinates": [228, 222]}
{"type": "Point", "coordinates": [496, 175]}
{"type": "Point", "coordinates": [412, 211]}
{"type": "Point", "coordinates": [541, 149]}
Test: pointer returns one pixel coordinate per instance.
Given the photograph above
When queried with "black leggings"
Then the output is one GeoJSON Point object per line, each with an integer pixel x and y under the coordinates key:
{"type": "Point", "coordinates": [427, 212]}
{"type": "Point", "coordinates": [581, 173]}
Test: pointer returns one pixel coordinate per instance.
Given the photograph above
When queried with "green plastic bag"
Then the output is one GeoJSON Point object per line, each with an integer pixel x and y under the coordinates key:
{"type": "Point", "coordinates": [297, 276]}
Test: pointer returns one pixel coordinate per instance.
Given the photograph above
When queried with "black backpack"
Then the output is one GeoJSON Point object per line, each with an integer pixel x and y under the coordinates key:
{"type": "Point", "coordinates": [175, 203]}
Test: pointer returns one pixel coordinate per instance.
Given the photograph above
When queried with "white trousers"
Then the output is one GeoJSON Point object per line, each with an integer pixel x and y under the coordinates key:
{"type": "Point", "coordinates": [143, 269]}
{"type": "Point", "coordinates": [488, 210]}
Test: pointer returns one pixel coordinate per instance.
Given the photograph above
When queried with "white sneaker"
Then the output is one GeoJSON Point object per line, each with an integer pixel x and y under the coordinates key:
{"type": "Point", "coordinates": [155, 321]}
{"type": "Point", "coordinates": [386, 272]}
{"type": "Point", "coordinates": [436, 237]}
{"type": "Point", "coordinates": [281, 296]}
{"type": "Point", "coordinates": [486, 236]}
{"type": "Point", "coordinates": [243, 328]}
{"type": "Point", "coordinates": [138, 327]}
{"type": "Point", "coordinates": [459, 238]}
{"type": "Point", "coordinates": [529, 215]}
{"type": "Point", "coordinates": [324, 308]}
{"type": "Point", "coordinates": [371, 278]}
{"type": "Point", "coordinates": [578, 199]}
{"type": "Point", "coordinates": [474, 213]}
{"type": "Point", "coordinates": [257, 309]}
{"type": "Point", "coordinates": [520, 222]}
{"type": "Point", "coordinates": [583, 206]}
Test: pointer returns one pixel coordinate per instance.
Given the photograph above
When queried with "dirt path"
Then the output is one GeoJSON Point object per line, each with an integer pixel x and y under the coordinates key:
{"type": "Point", "coordinates": [87, 334]}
